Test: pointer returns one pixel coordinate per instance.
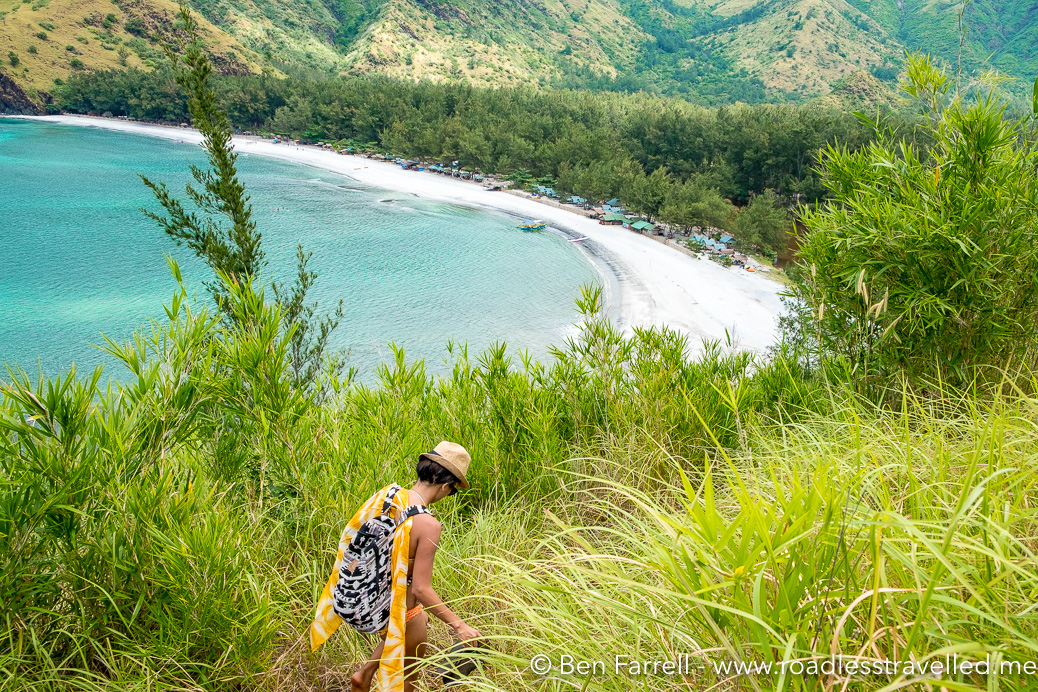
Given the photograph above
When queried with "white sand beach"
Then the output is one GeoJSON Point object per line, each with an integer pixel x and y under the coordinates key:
{"type": "Point", "coordinates": [647, 282]}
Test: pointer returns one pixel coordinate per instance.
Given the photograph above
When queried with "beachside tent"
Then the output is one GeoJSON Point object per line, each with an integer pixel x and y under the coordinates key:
{"type": "Point", "coordinates": [614, 202]}
{"type": "Point", "coordinates": [577, 200]}
{"type": "Point", "coordinates": [643, 226]}
{"type": "Point", "coordinates": [727, 239]}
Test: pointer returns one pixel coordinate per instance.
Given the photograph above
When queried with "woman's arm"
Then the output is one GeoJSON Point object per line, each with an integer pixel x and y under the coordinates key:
{"type": "Point", "coordinates": [427, 530]}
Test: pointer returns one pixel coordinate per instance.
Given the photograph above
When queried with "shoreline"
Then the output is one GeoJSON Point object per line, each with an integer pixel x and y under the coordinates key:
{"type": "Point", "coordinates": [646, 283]}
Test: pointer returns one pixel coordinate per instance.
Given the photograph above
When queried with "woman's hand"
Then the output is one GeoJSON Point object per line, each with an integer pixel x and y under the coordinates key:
{"type": "Point", "coordinates": [466, 633]}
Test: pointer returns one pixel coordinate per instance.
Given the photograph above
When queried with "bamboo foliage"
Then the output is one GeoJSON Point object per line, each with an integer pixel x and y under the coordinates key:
{"type": "Point", "coordinates": [927, 262]}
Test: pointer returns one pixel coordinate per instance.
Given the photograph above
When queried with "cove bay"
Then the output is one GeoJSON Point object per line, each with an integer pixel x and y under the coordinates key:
{"type": "Point", "coordinates": [80, 258]}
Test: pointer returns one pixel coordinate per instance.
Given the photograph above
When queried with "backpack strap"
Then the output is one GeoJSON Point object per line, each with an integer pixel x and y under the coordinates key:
{"type": "Point", "coordinates": [393, 490]}
{"type": "Point", "coordinates": [414, 510]}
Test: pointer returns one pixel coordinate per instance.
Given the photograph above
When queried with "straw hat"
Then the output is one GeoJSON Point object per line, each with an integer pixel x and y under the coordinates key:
{"type": "Point", "coordinates": [452, 457]}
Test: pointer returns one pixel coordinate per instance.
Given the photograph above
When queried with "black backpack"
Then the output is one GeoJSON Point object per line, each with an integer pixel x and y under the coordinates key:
{"type": "Point", "coordinates": [363, 595]}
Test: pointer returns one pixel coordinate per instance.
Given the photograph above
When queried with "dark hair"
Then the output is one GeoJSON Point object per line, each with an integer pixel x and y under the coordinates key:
{"type": "Point", "coordinates": [431, 472]}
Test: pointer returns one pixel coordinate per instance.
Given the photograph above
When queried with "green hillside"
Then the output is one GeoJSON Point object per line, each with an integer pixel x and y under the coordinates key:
{"type": "Point", "coordinates": [712, 51]}
{"type": "Point", "coordinates": [46, 41]}
{"type": "Point", "coordinates": [1003, 35]}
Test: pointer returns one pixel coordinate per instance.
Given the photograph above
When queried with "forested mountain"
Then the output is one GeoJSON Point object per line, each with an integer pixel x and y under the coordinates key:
{"type": "Point", "coordinates": [713, 51]}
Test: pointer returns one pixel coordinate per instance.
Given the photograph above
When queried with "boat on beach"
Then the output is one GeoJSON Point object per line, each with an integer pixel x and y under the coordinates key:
{"type": "Point", "coordinates": [537, 225]}
{"type": "Point", "coordinates": [578, 240]}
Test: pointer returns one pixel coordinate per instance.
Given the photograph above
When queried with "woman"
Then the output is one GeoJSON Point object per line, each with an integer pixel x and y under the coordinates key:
{"type": "Point", "coordinates": [440, 473]}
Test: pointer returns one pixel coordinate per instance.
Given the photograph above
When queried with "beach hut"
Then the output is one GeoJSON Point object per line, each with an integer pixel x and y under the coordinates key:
{"type": "Point", "coordinates": [727, 239]}
{"type": "Point", "coordinates": [614, 219]}
{"type": "Point", "coordinates": [614, 202]}
{"type": "Point", "coordinates": [644, 226]}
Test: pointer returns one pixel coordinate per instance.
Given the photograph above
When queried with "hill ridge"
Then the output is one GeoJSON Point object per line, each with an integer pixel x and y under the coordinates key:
{"type": "Point", "coordinates": [711, 51]}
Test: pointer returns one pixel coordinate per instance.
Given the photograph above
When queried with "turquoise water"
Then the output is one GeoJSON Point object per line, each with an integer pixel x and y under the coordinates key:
{"type": "Point", "coordinates": [78, 257]}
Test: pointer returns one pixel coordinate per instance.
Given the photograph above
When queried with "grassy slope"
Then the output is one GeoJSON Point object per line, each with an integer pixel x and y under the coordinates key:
{"type": "Point", "coordinates": [1006, 31]}
{"type": "Point", "coordinates": [311, 34]}
{"type": "Point", "coordinates": [495, 44]}
{"type": "Point", "coordinates": [509, 42]}
{"type": "Point", "coordinates": [828, 40]}
{"type": "Point", "coordinates": [859, 91]}
{"type": "Point", "coordinates": [192, 571]}
{"type": "Point", "coordinates": [80, 24]}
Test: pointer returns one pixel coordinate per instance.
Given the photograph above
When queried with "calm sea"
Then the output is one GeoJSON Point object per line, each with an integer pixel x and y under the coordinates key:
{"type": "Point", "coordinates": [78, 258]}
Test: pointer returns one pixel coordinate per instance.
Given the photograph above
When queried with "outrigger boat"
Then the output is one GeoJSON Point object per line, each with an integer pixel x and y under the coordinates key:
{"type": "Point", "coordinates": [578, 240]}
{"type": "Point", "coordinates": [533, 226]}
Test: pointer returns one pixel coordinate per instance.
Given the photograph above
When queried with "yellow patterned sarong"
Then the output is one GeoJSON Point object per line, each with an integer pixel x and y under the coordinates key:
{"type": "Point", "coordinates": [391, 667]}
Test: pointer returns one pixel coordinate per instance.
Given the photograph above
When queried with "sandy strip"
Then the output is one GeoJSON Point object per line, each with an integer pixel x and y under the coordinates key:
{"type": "Point", "coordinates": [647, 283]}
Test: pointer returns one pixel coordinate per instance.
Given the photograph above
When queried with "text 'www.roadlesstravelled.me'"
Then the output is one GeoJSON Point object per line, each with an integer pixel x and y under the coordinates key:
{"type": "Point", "coordinates": [685, 664]}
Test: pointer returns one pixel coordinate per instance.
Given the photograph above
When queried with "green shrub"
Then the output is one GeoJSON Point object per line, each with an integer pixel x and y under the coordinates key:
{"type": "Point", "coordinates": [42, 35]}
{"type": "Point", "coordinates": [32, 48]}
{"type": "Point", "coordinates": [12, 58]}
{"type": "Point", "coordinates": [135, 26]}
{"type": "Point", "coordinates": [75, 64]}
{"type": "Point", "coordinates": [925, 261]}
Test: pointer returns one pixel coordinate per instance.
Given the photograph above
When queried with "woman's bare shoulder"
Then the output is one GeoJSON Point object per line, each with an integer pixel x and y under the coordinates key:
{"type": "Point", "coordinates": [426, 525]}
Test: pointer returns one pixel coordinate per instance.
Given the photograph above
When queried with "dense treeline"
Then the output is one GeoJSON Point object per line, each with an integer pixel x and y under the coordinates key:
{"type": "Point", "coordinates": [744, 149]}
{"type": "Point", "coordinates": [594, 144]}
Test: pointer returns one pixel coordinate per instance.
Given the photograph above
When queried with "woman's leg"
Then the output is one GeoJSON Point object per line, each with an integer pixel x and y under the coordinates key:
{"type": "Point", "coordinates": [415, 636]}
{"type": "Point", "coordinates": [361, 680]}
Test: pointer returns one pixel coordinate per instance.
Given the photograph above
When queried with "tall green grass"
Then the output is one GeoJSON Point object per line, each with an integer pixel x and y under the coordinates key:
{"type": "Point", "coordinates": [173, 532]}
{"type": "Point", "coordinates": [860, 534]}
